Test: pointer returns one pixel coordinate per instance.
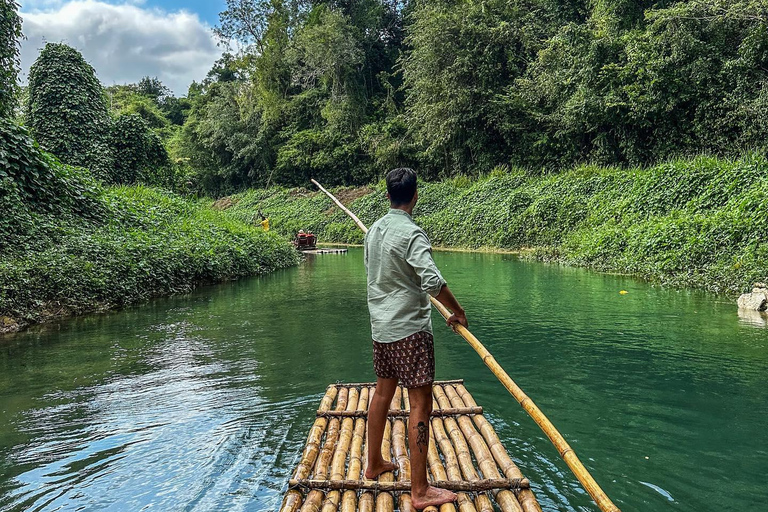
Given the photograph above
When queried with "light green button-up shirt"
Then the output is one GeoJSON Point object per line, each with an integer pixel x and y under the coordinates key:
{"type": "Point", "coordinates": [401, 272]}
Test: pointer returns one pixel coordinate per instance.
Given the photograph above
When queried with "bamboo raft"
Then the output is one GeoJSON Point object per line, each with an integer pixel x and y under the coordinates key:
{"type": "Point", "coordinates": [325, 250]}
{"type": "Point", "coordinates": [329, 476]}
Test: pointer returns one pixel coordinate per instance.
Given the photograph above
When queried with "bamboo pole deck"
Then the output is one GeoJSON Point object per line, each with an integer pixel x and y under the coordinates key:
{"type": "Point", "coordinates": [564, 449]}
{"type": "Point", "coordinates": [329, 476]}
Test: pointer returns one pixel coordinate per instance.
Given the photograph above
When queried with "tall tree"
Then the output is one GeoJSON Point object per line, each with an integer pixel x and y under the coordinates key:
{"type": "Point", "coordinates": [10, 33]}
{"type": "Point", "coordinates": [246, 21]}
{"type": "Point", "coordinates": [67, 112]}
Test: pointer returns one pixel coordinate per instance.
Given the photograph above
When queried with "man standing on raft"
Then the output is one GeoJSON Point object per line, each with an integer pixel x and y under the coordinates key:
{"type": "Point", "coordinates": [401, 272]}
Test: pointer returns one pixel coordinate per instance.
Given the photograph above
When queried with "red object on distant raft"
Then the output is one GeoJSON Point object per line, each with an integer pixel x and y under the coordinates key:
{"type": "Point", "coordinates": [305, 241]}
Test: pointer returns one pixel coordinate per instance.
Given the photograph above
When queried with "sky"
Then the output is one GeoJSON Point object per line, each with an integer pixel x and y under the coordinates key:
{"type": "Point", "coordinates": [125, 40]}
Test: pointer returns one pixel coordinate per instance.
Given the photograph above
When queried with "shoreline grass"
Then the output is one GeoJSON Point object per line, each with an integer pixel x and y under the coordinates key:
{"type": "Point", "coordinates": [148, 243]}
{"type": "Point", "coordinates": [688, 223]}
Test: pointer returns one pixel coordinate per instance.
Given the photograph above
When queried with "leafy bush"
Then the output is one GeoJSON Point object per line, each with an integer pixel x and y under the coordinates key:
{"type": "Point", "coordinates": [148, 243]}
{"type": "Point", "coordinates": [696, 222]}
{"type": "Point", "coordinates": [66, 111]}
{"type": "Point", "coordinates": [137, 151]}
{"type": "Point", "coordinates": [70, 245]}
{"type": "Point", "coordinates": [38, 180]}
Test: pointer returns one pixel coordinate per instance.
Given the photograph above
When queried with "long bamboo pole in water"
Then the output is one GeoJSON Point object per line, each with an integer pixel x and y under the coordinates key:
{"type": "Point", "coordinates": [566, 452]}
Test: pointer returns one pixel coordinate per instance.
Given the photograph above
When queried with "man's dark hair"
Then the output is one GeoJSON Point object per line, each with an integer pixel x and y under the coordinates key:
{"type": "Point", "coordinates": [401, 185]}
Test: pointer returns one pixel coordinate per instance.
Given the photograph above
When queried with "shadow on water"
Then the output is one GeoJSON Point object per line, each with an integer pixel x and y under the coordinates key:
{"type": "Point", "coordinates": [203, 402]}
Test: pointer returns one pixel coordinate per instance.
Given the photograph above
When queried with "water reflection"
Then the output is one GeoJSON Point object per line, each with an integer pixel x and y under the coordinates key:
{"type": "Point", "coordinates": [753, 318]}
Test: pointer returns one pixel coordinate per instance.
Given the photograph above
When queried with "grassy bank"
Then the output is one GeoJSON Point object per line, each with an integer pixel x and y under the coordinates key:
{"type": "Point", "coordinates": [699, 222]}
{"type": "Point", "coordinates": [69, 245]}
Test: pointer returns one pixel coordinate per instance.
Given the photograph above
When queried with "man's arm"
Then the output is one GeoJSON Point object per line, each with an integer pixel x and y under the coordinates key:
{"type": "Point", "coordinates": [447, 299]}
{"type": "Point", "coordinates": [419, 256]}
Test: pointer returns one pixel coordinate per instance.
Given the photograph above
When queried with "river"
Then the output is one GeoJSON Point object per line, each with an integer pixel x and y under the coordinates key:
{"type": "Point", "coordinates": [203, 402]}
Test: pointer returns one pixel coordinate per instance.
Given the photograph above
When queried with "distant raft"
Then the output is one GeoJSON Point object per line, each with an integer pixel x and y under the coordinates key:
{"type": "Point", "coordinates": [329, 476]}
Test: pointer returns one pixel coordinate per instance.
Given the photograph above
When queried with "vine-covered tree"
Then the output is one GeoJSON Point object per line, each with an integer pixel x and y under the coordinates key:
{"type": "Point", "coordinates": [138, 152]}
{"type": "Point", "coordinates": [66, 111]}
{"type": "Point", "coordinates": [10, 34]}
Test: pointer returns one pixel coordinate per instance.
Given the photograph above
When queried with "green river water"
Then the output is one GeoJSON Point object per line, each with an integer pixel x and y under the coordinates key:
{"type": "Point", "coordinates": [203, 402]}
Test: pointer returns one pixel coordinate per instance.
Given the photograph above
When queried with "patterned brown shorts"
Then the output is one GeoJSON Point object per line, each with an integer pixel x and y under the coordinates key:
{"type": "Point", "coordinates": [410, 360]}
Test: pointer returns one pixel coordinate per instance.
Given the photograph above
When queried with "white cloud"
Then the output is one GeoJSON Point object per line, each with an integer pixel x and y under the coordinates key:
{"type": "Point", "coordinates": [123, 42]}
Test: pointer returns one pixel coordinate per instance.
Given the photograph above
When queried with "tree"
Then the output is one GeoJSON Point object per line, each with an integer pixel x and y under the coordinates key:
{"type": "Point", "coordinates": [127, 99]}
{"type": "Point", "coordinates": [10, 33]}
{"type": "Point", "coordinates": [153, 88]}
{"type": "Point", "coordinates": [463, 55]}
{"type": "Point", "coordinates": [138, 152]}
{"type": "Point", "coordinates": [246, 21]}
{"type": "Point", "coordinates": [67, 113]}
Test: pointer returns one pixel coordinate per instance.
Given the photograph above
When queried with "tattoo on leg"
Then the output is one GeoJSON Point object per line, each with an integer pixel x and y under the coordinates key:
{"type": "Point", "coordinates": [422, 435]}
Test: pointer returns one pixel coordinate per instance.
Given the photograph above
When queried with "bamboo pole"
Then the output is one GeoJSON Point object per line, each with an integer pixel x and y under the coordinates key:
{"type": "Point", "coordinates": [385, 501]}
{"type": "Point", "coordinates": [349, 498]}
{"type": "Point", "coordinates": [450, 411]}
{"type": "Point", "coordinates": [456, 461]}
{"type": "Point", "coordinates": [508, 467]}
{"type": "Point", "coordinates": [366, 502]}
{"type": "Point", "coordinates": [293, 498]}
{"type": "Point", "coordinates": [564, 449]}
{"type": "Point", "coordinates": [404, 463]}
{"type": "Point", "coordinates": [451, 464]}
{"type": "Point", "coordinates": [338, 203]}
{"type": "Point", "coordinates": [464, 458]}
{"type": "Point", "coordinates": [438, 472]}
{"type": "Point", "coordinates": [400, 446]}
{"type": "Point", "coordinates": [506, 499]}
{"type": "Point", "coordinates": [314, 499]}
{"type": "Point", "coordinates": [333, 498]}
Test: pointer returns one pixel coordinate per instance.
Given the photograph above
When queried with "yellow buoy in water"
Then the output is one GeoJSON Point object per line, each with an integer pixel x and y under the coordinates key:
{"type": "Point", "coordinates": [623, 292]}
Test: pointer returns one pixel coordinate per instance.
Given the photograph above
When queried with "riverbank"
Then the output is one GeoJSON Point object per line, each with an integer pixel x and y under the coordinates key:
{"type": "Point", "coordinates": [149, 243]}
{"type": "Point", "coordinates": [71, 245]}
{"type": "Point", "coordinates": [695, 222]}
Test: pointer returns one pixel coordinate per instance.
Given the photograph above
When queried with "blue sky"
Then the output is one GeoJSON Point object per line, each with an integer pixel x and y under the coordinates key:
{"type": "Point", "coordinates": [208, 11]}
{"type": "Point", "coordinates": [125, 40]}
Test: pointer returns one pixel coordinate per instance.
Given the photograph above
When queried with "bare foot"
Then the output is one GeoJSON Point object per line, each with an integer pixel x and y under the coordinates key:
{"type": "Point", "coordinates": [433, 497]}
{"type": "Point", "coordinates": [373, 472]}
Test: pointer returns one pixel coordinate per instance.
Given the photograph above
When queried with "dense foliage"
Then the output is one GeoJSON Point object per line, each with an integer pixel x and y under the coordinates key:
{"type": "Point", "coordinates": [70, 245]}
{"type": "Point", "coordinates": [68, 115]}
{"type": "Point", "coordinates": [138, 152]}
{"type": "Point", "coordinates": [66, 111]}
{"type": "Point", "coordinates": [342, 91]}
{"type": "Point", "coordinates": [696, 222]}
{"type": "Point", "coordinates": [10, 33]}
{"type": "Point", "coordinates": [37, 178]}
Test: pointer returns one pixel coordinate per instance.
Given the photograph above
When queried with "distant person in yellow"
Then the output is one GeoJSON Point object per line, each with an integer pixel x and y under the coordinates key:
{"type": "Point", "coordinates": [264, 221]}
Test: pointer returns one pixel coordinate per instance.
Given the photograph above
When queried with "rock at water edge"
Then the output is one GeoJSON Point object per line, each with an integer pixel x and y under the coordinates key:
{"type": "Point", "coordinates": [753, 301]}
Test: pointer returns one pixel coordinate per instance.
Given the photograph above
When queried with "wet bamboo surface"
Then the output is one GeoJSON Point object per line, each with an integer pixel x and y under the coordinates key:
{"type": "Point", "coordinates": [465, 454]}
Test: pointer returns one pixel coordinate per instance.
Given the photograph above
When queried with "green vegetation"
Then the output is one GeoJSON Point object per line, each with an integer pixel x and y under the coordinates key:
{"type": "Point", "coordinates": [71, 245]}
{"type": "Point", "coordinates": [10, 32]}
{"type": "Point", "coordinates": [66, 112]}
{"type": "Point", "coordinates": [697, 222]}
{"type": "Point", "coordinates": [342, 90]}
{"type": "Point", "coordinates": [584, 100]}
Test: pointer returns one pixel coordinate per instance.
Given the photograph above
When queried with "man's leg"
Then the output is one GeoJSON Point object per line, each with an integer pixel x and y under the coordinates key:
{"type": "Point", "coordinates": [377, 418]}
{"type": "Point", "coordinates": [422, 494]}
